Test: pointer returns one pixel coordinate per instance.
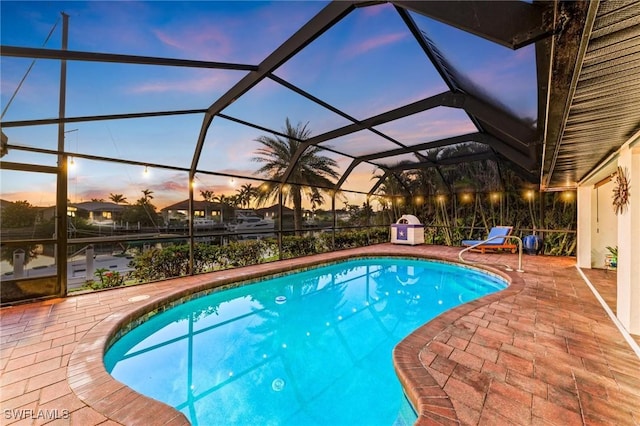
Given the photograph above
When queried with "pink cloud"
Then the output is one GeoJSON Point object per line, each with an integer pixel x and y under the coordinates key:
{"type": "Point", "coordinates": [198, 40]}
{"type": "Point", "coordinates": [373, 43]}
{"type": "Point", "coordinates": [188, 85]}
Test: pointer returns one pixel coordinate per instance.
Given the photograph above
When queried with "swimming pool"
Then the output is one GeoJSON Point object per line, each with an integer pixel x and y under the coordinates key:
{"type": "Point", "coordinates": [312, 347]}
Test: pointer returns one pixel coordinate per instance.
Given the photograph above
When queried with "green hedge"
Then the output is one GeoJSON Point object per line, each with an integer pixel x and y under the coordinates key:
{"type": "Point", "coordinates": [173, 261]}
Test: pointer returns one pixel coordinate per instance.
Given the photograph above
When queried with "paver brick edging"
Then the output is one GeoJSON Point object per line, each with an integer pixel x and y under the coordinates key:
{"type": "Point", "coordinates": [429, 399]}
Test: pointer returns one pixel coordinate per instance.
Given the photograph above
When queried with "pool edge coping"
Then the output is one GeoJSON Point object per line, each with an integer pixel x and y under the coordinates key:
{"type": "Point", "coordinates": [92, 384]}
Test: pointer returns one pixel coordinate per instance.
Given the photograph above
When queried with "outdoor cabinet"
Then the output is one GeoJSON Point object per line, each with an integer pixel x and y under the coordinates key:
{"type": "Point", "coordinates": [407, 230]}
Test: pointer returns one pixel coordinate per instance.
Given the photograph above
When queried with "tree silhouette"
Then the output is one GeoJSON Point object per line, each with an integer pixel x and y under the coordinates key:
{"type": "Point", "coordinates": [207, 195]}
{"type": "Point", "coordinates": [118, 198]}
{"type": "Point", "coordinates": [246, 193]}
{"type": "Point", "coordinates": [310, 170]}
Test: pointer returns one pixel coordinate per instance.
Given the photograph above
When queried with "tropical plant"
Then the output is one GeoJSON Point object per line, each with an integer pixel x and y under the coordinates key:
{"type": "Point", "coordinates": [108, 279]}
{"type": "Point", "coordinates": [18, 214]}
{"type": "Point", "coordinates": [142, 211]}
{"type": "Point", "coordinates": [118, 198]}
{"type": "Point", "coordinates": [246, 193]}
{"type": "Point", "coordinates": [146, 195]}
{"type": "Point", "coordinates": [614, 255]}
{"type": "Point", "coordinates": [207, 195]}
{"type": "Point", "coordinates": [311, 169]}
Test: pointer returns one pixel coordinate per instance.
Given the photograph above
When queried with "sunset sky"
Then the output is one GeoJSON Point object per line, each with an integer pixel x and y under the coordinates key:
{"type": "Point", "coordinates": [366, 64]}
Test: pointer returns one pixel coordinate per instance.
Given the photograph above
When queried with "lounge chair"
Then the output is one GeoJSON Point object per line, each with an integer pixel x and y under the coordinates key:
{"type": "Point", "coordinates": [495, 243]}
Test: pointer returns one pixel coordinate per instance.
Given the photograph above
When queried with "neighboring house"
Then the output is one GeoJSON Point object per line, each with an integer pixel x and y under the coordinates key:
{"type": "Point", "coordinates": [273, 211]}
{"type": "Point", "coordinates": [97, 212]}
{"type": "Point", "coordinates": [202, 210]}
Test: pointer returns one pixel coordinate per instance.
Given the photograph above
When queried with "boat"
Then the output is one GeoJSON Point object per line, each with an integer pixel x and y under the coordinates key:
{"type": "Point", "coordinates": [249, 226]}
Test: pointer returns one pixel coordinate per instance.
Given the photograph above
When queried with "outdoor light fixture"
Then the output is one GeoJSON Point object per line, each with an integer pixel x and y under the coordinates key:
{"type": "Point", "coordinates": [146, 171]}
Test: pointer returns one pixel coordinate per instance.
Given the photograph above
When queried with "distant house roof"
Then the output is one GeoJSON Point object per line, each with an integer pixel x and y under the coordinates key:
{"type": "Point", "coordinates": [274, 209]}
{"type": "Point", "coordinates": [198, 205]}
{"type": "Point", "coordinates": [98, 206]}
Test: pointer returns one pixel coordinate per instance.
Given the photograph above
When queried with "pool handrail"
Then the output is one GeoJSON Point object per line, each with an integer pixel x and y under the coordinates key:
{"type": "Point", "coordinates": [508, 268]}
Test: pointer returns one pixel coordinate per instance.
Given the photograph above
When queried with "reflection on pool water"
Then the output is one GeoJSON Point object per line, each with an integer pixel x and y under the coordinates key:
{"type": "Point", "coordinates": [307, 348]}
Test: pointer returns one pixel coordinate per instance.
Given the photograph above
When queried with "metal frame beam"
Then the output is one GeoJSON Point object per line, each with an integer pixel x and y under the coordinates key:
{"type": "Point", "coordinates": [381, 179]}
{"type": "Point", "coordinates": [500, 146]}
{"type": "Point", "coordinates": [511, 127]}
{"type": "Point", "coordinates": [347, 172]}
{"type": "Point", "coordinates": [46, 121]}
{"type": "Point", "coordinates": [316, 26]}
{"type": "Point", "coordinates": [74, 55]}
{"type": "Point", "coordinates": [518, 134]}
{"type": "Point", "coordinates": [511, 24]}
{"type": "Point", "coordinates": [449, 161]}
{"type": "Point", "coordinates": [425, 104]}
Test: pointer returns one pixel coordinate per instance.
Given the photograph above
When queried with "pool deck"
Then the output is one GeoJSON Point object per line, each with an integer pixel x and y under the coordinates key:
{"type": "Point", "coordinates": [543, 351]}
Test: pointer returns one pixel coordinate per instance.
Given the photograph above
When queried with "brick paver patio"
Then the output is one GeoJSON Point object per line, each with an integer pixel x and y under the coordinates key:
{"type": "Point", "coordinates": [541, 352]}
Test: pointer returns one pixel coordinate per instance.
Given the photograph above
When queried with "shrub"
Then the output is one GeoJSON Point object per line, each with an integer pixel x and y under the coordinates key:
{"type": "Point", "coordinates": [293, 246]}
{"type": "Point", "coordinates": [108, 279]}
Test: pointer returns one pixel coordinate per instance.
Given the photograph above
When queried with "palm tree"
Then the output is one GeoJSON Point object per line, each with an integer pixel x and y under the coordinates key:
{"type": "Point", "coordinates": [147, 195]}
{"type": "Point", "coordinates": [246, 193]}
{"type": "Point", "coordinates": [391, 194]}
{"type": "Point", "coordinates": [117, 198]}
{"type": "Point", "coordinates": [207, 195]}
{"type": "Point", "coordinates": [311, 169]}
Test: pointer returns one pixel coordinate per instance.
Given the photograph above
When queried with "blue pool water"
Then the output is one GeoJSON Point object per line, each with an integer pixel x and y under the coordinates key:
{"type": "Point", "coordinates": [310, 348]}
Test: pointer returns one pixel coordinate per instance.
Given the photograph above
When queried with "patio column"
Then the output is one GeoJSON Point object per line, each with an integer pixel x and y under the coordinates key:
{"type": "Point", "coordinates": [585, 218]}
{"type": "Point", "coordinates": [628, 303]}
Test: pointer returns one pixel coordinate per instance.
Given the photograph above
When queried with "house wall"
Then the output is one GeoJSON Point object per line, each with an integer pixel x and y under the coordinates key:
{"type": "Point", "coordinates": [628, 300]}
{"type": "Point", "coordinates": [604, 224]}
{"type": "Point", "coordinates": [599, 226]}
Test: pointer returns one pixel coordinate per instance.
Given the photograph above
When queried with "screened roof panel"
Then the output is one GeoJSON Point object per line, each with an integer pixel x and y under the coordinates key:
{"type": "Point", "coordinates": [34, 99]}
{"type": "Point", "coordinates": [455, 150]}
{"type": "Point", "coordinates": [244, 33]}
{"type": "Point", "coordinates": [397, 160]}
{"type": "Point", "coordinates": [99, 89]}
{"type": "Point", "coordinates": [166, 140]}
{"type": "Point", "coordinates": [304, 171]}
{"type": "Point", "coordinates": [45, 137]}
{"type": "Point", "coordinates": [366, 64]}
{"type": "Point", "coordinates": [269, 104]}
{"type": "Point", "coordinates": [360, 179]}
{"type": "Point", "coordinates": [221, 153]}
{"type": "Point", "coordinates": [28, 157]}
{"type": "Point", "coordinates": [98, 179]}
{"type": "Point", "coordinates": [360, 143]}
{"type": "Point", "coordinates": [430, 125]}
{"type": "Point", "coordinates": [503, 76]}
